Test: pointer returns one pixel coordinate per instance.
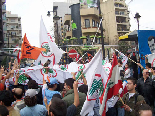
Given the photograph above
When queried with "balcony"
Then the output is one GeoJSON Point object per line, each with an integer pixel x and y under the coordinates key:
{"type": "Point", "coordinates": [122, 23]}
{"type": "Point", "coordinates": [4, 18]}
{"type": "Point", "coordinates": [67, 19]}
{"type": "Point", "coordinates": [121, 30]}
{"type": "Point", "coordinates": [19, 34]}
{"type": "Point", "coordinates": [13, 22]}
{"type": "Point", "coordinates": [89, 11]}
{"type": "Point", "coordinates": [119, 1]}
{"type": "Point", "coordinates": [90, 30]}
{"type": "Point", "coordinates": [121, 14]}
{"type": "Point", "coordinates": [118, 7]}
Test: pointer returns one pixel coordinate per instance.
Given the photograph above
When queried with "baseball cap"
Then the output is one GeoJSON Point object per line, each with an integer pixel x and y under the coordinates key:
{"type": "Point", "coordinates": [53, 81]}
{"type": "Point", "coordinates": [31, 93]}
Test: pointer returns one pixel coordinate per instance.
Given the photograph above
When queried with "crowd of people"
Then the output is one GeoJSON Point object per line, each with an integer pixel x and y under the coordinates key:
{"type": "Point", "coordinates": [53, 98]}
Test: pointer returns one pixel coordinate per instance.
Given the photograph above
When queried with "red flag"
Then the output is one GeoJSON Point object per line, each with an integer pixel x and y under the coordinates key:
{"type": "Point", "coordinates": [28, 51]}
{"type": "Point", "coordinates": [18, 56]}
{"type": "Point", "coordinates": [113, 84]}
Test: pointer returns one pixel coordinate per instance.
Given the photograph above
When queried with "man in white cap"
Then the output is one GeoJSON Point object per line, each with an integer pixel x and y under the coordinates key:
{"type": "Point", "coordinates": [32, 108]}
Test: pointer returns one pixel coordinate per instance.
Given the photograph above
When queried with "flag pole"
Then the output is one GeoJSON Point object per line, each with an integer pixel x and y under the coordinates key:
{"type": "Point", "coordinates": [121, 99]}
{"type": "Point", "coordinates": [82, 57]}
{"type": "Point", "coordinates": [79, 76]}
{"type": "Point", "coordinates": [128, 58]}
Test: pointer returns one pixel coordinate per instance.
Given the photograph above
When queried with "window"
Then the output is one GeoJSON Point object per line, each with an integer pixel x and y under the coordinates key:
{"type": "Point", "coordinates": [12, 26]}
{"type": "Point", "coordinates": [87, 23]}
{"type": "Point", "coordinates": [97, 24]}
{"type": "Point", "coordinates": [121, 12]}
{"type": "Point", "coordinates": [121, 5]}
{"type": "Point", "coordinates": [116, 5]}
{"type": "Point", "coordinates": [93, 23]}
{"type": "Point", "coordinates": [117, 12]}
{"type": "Point", "coordinates": [12, 20]}
{"type": "Point", "coordinates": [13, 33]}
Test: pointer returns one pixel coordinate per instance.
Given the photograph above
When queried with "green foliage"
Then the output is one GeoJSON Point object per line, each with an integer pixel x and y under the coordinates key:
{"type": "Point", "coordinates": [123, 46]}
{"type": "Point", "coordinates": [4, 62]}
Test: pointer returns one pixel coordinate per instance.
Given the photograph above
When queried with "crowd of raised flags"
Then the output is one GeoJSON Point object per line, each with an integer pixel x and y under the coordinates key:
{"type": "Point", "coordinates": [102, 77]}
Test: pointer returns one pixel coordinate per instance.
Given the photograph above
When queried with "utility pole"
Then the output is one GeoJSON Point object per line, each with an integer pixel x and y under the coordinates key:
{"type": "Point", "coordinates": [102, 38]}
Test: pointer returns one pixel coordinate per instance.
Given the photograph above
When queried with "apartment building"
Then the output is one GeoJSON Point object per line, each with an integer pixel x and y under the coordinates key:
{"type": "Point", "coordinates": [115, 20]}
{"type": "Point", "coordinates": [72, 1]}
{"type": "Point", "coordinates": [2, 22]}
{"type": "Point", "coordinates": [4, 19]}
{"type": "Point", "coordinates": [14, 30]}
{"type": "Point", "coordinates": [59, 11]}
{"type": "Point", "coordinates": [87, 22]}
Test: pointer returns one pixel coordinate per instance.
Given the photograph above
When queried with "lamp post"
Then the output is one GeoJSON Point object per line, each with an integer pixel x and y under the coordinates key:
{"type": "Point", "coordinates": [102, 39]}
{"type": "Point", "coordinates": [137, 17]}
{"type": "Point", "coordinates": [7, 35]}
{"type": "Point", "coordinates": [55, 18]}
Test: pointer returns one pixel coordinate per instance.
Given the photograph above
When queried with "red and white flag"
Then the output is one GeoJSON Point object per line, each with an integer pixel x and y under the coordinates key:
{"type": "Point", "coordinates": [113, 84]}
{"type": "Point", "coordinates": [77, 57]}
{"type": "Point", "coordinates": [18, 56]}
{"type": "Point", "coordinates": [96, 78]}
{"type": "Point", "coordinates": [15, 48]}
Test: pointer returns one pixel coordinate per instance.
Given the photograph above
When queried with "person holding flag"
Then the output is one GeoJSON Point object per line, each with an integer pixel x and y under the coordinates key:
{"type": "Point", "coordinates": [131, 98]}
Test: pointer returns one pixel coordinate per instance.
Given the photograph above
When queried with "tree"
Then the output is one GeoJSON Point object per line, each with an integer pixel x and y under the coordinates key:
{"type": "Point", "coordinates": [123, 46]}
{"type": "Point", "coordinates": [3, 63]}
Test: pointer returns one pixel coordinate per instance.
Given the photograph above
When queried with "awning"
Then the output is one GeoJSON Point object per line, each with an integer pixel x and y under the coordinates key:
{"type": "Point", "coordinates": [131, 36]}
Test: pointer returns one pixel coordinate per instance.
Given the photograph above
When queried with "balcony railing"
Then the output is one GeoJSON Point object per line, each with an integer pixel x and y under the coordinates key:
{"type": "Point", "coordinates": [121, 14]}
{"type": "Point", "coordinates": [89, 11]}
{"type": "Point", "coordinates": [90, 29]}
{"type": "Point", "coordinates": [122, 29]}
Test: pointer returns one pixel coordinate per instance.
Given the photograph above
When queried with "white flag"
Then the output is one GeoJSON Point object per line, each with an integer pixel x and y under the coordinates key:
{"type": "Point", "coordinates": [53, 53]}
{"type": "Point", "coordinates": [96, 78]}
{"type": "Point", "coordinates": [123, 58]}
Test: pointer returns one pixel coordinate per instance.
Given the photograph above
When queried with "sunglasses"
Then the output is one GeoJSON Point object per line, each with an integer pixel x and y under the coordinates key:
{"type": "Point", "coordinates": [147, 73]}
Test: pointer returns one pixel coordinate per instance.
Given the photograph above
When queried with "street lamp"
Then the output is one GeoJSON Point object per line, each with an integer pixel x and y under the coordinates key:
{"type": "Point", "coordinates": [102, 38]}
{"type": "Point", "coordinates": [137, 17]}
{"type": "Point", "coordinates": [55, 18]}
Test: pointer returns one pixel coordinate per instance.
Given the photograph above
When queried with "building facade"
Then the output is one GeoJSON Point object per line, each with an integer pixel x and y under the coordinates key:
{"type": "Point", "coordinates": [115, 20]}
{"type": "Point", "coordinates": [2, 22]}
{"type": "Point", "coordinates": [89, 23]}
{"type": "Point", "coordinates": [60, 9]}
{"type": "Point", "coordinates": [14, 30]}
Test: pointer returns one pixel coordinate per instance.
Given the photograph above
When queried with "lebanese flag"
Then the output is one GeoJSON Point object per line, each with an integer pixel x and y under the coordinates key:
{"type": "Point", "coordinates": [16, 49]}
{"type": "Point", "coordinates": [18, 56]}
{"type": "Point", "coordinates": [77, 57]}
{"type": "Point", "coordinates": [113, 84]}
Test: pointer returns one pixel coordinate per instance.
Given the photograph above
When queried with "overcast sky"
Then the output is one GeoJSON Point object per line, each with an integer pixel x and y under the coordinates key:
{"type": "Point", "coordinates": [31, 11]}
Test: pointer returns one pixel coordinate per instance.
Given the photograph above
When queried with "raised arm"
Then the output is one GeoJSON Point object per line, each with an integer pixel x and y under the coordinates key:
{"type": "Point", "coordinates": [73, 73]}
{"type": "Point", "coordinates": [16, 80]}
{"type": "Point", "coordinates": [1, 72]}
{"type": "Point", "coordinates": [76, 95]}
{"type": "Point", "coordinates": [84, 80]}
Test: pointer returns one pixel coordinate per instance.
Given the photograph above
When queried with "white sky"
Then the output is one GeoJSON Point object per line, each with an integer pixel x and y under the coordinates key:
{"type": "Point", "coordinates": [31, 11]}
